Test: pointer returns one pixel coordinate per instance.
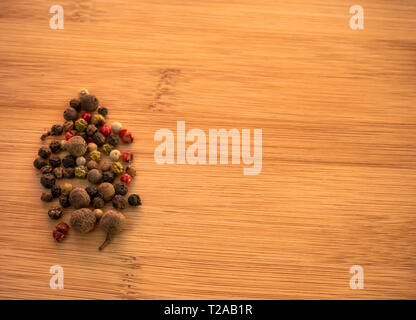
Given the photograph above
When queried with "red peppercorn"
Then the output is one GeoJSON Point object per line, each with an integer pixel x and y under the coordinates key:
{"type": "Point", "coordinates": [127, 137]}
{"type": "Point", "coordinates": [87, 116]}
{"type": "Point", "coordinates": [126, 178]}
{"type": "Point", "coordinates": [70, 134]}
{"type": "Point", "coordinates": [57, 235]}
{"type": "Point", "coordinates": [127, 156]}
{"type": "Point", "coordinates": [105, 130]}
{"type": "Point", "coordinates": [122, 133]}
{"type": "Point", "coordinates": [62, 227]}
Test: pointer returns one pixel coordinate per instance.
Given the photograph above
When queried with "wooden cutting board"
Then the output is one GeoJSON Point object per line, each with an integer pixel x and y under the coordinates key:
{"type": "Point", "coordinates": [337, 111]}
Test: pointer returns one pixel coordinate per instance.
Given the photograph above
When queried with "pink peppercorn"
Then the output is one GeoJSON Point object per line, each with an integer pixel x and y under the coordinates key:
{"type": "Point", "coordinates": [126, 178]}
{"type": "Point", "coordinates": [70, 134]}
{"type": "Point", "coordinates": [87, 116]}
{"type": "Point", "coordinates": [127, 156]}
{"type": "Point", "coordinates": [127, 137]}
{"type": "Point", "coordinates": [105, 130]}
{"type": "Point", "coordinates": [122, 133]}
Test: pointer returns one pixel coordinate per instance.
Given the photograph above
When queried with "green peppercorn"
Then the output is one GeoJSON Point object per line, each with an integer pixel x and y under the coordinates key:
{"type": "Point", "coordinates": [66, 189]}
{"type": "Point", "coordinates": [117, 168]}
{"type": "Point", "coordinates": [95, 156]}
{"type": "Point", "coordinates": [107, 148]}
{"type": "Point", "coordinates": [82, 93]}
{"type": "Point", "coordinates": [97, 120]}
{"type": "Point", "coordinates": [81, 125]}
{"type": "Point", "coordinates": [81, 172]}
{"type": "Point", "coordinates": [58, 173]}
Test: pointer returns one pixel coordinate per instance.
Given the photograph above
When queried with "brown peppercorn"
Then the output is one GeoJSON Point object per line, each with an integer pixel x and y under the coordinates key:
{"type": "Point", "coordinates": [111, 223]}
{"type": "Point", "coordinates": [64, 201]}
{"type": "Point", "coordinates": [92, 165]}
{"type": "Point", "coordinates": [95, 176]}
{"type": "Point", "coordinates": [55, 146]}
{"type": "Point", "coordinates": [46, 169]}
{"type": "Point", "coordinates": [69, 173]}
{"type": "Point", "coordinates": [134, 200]}
{"type": "Point", "coordinates": [83, 220]}
{"type": "Point", "coordinates": [91, 130]}
{"type": "Point", "coordinates": [79, 198]}
{"type": "Point", "coordinates": [48, 180]}
{"type": "Point", "coordinates": [44, 152]}
{"type": "Point", "coordinates": [68, 161]}
{"type": "Point", "coordinates": [89, 103]}
{"type": "Point", "coordinates": [76, 104]}
{"type": "Point", "coordinates": [76, 146]}
{"type": "Point", "coordinates": [121, 188]}
{"type": "Point", "coordinates": [106, 190]}
{"type": "Point", "coordinates": [98, 202]}
{"type": "Point", "coordinates": [55, 161]}
{"type": "Point", "coordinates": [55, 213]}
{"type": "Point", "coordinates": [119, 202]}
{"type": "Point", "coordinates": [70, 114]}
{"type": "Point", "coordinates": [68, 125]}
{"type": "Point", "coordinates": [46, 197]}
{"type": "Point", "coordinates": [108, 176]}
{"type": "Point", "coordinates": [98, 138]}
{"type": "Point", "coordinates": [39, 163]}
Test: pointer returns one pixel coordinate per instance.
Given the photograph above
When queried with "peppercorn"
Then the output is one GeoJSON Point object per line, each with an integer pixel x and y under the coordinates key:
{"type": "Point", "coordinates": [81, 125]}
{"type": "Point", "coordinates": [107, 148]}
{"type": "Point", "coordinates": [55, 213]}
{"type": "Point", "coordinates": [69, 173]}
{"type": "Point", "coordinates": [39, 163]}
{"type": "Point", "coordinates": [83, 135]}
{"type": "Point", "coordinates": [126, 178]}
{"type": "Point", "coordinates": [58, 173]}
{"type": "Point", "coordinates": [89, 103]}
{"type": "Point", "coordinates": [92, 191]}
{"type": "Point", "coordinates": [117, 168]}
{"type": "Point", "coordinates": [113, 139]}
{"type": "Point", "coordinates": [97, 120]}
{"type": "Point", "coordinates": [108, 176]}
{"type": "Point", "coordinates": [62, 227]}
{"type": "Point", "coordinates": [106, 190]}
{"type": "Point", "coordinates": [116, 127]}
{"type": "Point", "coordinates": [80, 161]}
{"type": "Point", "coordinates": [68, 126]}
{"type": "Point", "coordinates": [70, 134]}
{"type": "Point", "coordinates": [94, 176]}
{"type": "Point", "coordinates": [46, 197]}
{"type": "Point", "coordinates": [64, 201]}
{"type": "Point", "coordinates": [57, 130]}
{"type": "Point", "coordinates": [95, 155]}
{"type": "Point", "coordinates": [60, 231]}
{"type": "Point", "coordinates": [70, 114]}
{"type": "Point", "coordinates": [134, 200]}
{"type": "Point", "coordinates": [81, 172]}
{"type": "Point", "coordinates": [46, 169]}
{"type": "Point", "coordinates": [56, 191]}
{"type": "Point", "coordinates": [105, 130]}
{"type": "Point", "coordinates": [127, 156]}
{"type": "Point", "coordinates": [55, 161]}
{"type": "Point", "coordinates": [63, 145]}
{"type": "Point", "coordinates": [119, 202]}
{"type": "Point", "coordinates": [115, 155]}
{"type": "Point", "coordinates": [131, 171]}
{"type": "Point", "coordinates": [66, 189]}
{"type": "Point", "coordinates": [111, 223]}
{"type": "Point", "coordinates": [76, 104]}
{"type": "Point", "coordinates": [86, 116]}
{"type": "Point", "coordinates": [82, 93]}
{"type": "Point", "coordinates": [76, 146]}
{"type": "Point", "coordinates": [91, 130]}
{"type": "Point", "coordinates": [98, 138]}
{"type": "Point", "coordinates": [68, 161]}
{"type": "Point", "coordinates": [83, 220]}
{"type": "Point", "coordinates": [57, 235]}
{"type": "Point", "coordinates": [126, 136]}
{"type": "Point", "coordinates": [45, 135]}
{"type": "Point", "coordinates": [92, 165]}
{"type": "Point", "coordinates": [103, 111]}
{"type": "Point", "coordinates": [98, 202]}
{"type": "Point", "coordinates": [98, 214]}
{"type": "Point", "coordinates": [121, 188]}
{"type": "Point", "coordinates": [55, 146]}
{"type": "Point", "coordinates": [92, 147]}
{"type": "Point", "coordinates": [48, 180]}
{"type": "Point", "coordinates": [105, 165]}
{"type": "Point", "coordinates": [79, 198]}
{"type": "Point", "coordinates": [44, 152]}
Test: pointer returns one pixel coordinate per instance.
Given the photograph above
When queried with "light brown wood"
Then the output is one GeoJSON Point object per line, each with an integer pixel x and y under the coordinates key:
{"type": "Point", "coordinates": [337, 109]}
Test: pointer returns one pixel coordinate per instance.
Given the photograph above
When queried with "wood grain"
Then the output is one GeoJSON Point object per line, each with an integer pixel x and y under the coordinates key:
{"type": "Point", "coordinates": [336, 106]}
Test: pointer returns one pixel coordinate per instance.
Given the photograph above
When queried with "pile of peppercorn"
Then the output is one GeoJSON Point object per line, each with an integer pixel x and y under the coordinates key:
{"type": "Point", "coordinates": [85, 147]}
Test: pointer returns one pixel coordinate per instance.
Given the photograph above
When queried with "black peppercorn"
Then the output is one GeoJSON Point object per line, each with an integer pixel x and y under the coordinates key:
{"type": "Point", "coordinates": [70, 114]}
{"type": "Point", "coordinates": [55, 161]}
{"type": "Point", "coordinates": [48, 180]}
{"type": "Point", "coordinates": [68, 161]}
{"type": "Point", "coordinates": [46, 197]}
{"type": "Point", "coordinates": [44, 152]}
{"type": "Point", "coordinates": [56, 191]}
{"type": "Point", "coordinates": [57, 130]}
{"type": "Point", "coordinates": [64, 201]}
{"type": "Point", "coordinates": [103, 111]}
{"type": "Point", "coordinates": [134, 200]}
{"type": "Point", "coordinates": [83, 135]}
{"type": "Point", "coordinates": [69, 173]}
{"type": "Point", "coordinates": [55, 213]}
{"type": "Point", "coordinates": [113, 139]}
{"type": "Point", "coordinates": [46, 169]}
{"type": "Point", "coordinates": [121, 188]}
{"type": "Point", "coordinates": [108, 176]}
{"type": "Point", "coordinates": [98, 138]}
{"type": "Point", "coordinates": [91, 130]}
{"type": "Point", "coordinates": [76, 104]}
{"type": "Point", "coordinates": [98, 202]}
{"type": "Point", "coordinates": [55, 146]}
{"type": "Point", "coordinates": [45, 135]}
{"type": "Point", "coordinates": [89, 103]}
{"type": "Point", "coordinates": [39, 163]}
{"type": "Point", "coordinates": [92, 191]}
{"type": "Point", "coordinates": [119, 202]}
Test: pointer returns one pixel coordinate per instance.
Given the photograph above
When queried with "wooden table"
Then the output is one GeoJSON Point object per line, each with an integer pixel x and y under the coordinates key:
{"type": "Point", "coordinates": [337, 110]}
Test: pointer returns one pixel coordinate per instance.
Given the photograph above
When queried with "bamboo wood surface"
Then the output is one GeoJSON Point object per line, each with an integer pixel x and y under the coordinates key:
{"type": "Point", "coordinates": [337, 110]}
